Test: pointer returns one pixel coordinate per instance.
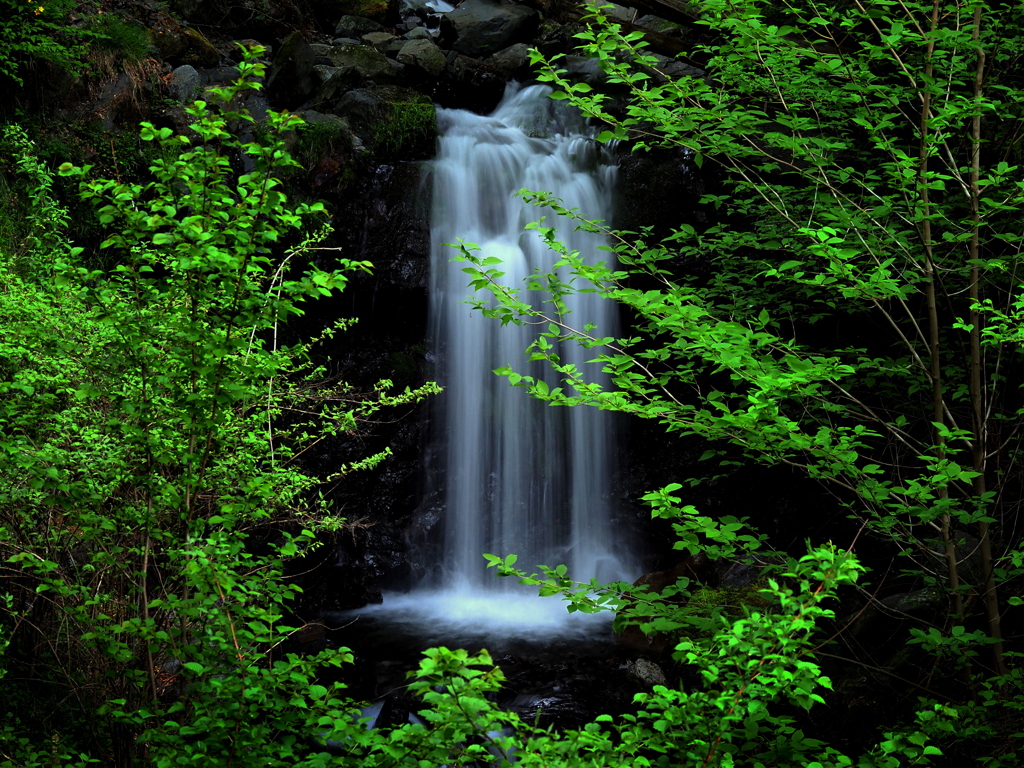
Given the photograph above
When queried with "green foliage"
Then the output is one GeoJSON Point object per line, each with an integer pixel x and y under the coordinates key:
{"type": "Point", "coordinates": [146, 460]}
{"type": "Point", "coordinates": [38, 30]}
{"type": "Point", "coordinates": [749, 665]}
{"type": "Point", "coordinates": [128, 40]}
{"type": "Point", "coordinates": [31, 219]}
{"type": "Point", "coordinates": [860, 318]}
{"type": "Point", "coordinates": [150, 493]}
{"type": "Point", "coordinates": [407, 128]}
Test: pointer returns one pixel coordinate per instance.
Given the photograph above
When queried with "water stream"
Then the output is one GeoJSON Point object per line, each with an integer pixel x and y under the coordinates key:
{"type": "Point", "coordinates": [515, 475]}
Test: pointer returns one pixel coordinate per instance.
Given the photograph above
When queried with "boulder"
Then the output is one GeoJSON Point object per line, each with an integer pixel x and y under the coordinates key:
{"type": "Point", "coordinates": [339, 81]}
{"type": "Point", "coordinates": [184, 83]}
{"type": "Point", "coordinates": [361, 106]}
{"type": "Point", "coordinates": [120, 102]}
{"type": "Point", "coordinates": [552, 38]}
{"type": "Point", "coordinates": [394, 47]}
{"type": "Point", "coordinates": [482, 27]}
{"type": "Point", "coordinates": [471, 84]}
{"type": "Point", "coordinates": [674, 69]}
{"type": "Point", "coordinates": [292, 80]}
{"type": "Point", "coordinates": [513, 62]}
{"type": "Point", "coordinates": [324, 73]}
{"type": "Point", "coordinates": [658, 24]}
{"type": "Point", "coordinates": [378, 40]}
{"type": "Point", "coordinates": [646, 673]}
{"type": "Point", "coordinates": [584, 69]}
{"type": "Point", "coordinates": [356, 27]}
{"type": "Point", "coordinates": [369, 63]}
{"type": "Point", "coordinates": [325, 147]}
{"type": "Point", "coordinates": [397, 122]}
{"type": "Point", "coordinates": [423, 55]}
{"type": "Point", "coordinates": [418, 33]}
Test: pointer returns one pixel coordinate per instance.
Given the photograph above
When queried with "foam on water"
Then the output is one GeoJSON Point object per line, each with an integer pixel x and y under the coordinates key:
{"type": "Point", "coordinates": [451, 617]}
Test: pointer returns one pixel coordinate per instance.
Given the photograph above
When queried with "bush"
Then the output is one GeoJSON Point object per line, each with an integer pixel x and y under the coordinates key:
{"type": "Point", "coordinates": [145, 452]}
{"type": "Point", "coordinates": [37, 31]}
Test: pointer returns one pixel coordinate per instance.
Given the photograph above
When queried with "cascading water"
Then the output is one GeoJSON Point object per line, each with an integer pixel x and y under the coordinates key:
{"type": "Point", "coordinates": [515, 475]}
{"type": "Point", "coordinates": [519, 476]}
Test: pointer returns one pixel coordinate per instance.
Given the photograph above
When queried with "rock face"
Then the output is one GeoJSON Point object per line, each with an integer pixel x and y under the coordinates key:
{"type": "Point", "coordinates": [482, 27]}
{"type": "Point", "coordinates": [292, 79]}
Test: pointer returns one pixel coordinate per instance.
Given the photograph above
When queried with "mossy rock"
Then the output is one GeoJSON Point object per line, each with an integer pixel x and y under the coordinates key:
{"type": "Point", "coordinates": [399, 123]}
{"type": "Point", "coordinates": [369, 63]}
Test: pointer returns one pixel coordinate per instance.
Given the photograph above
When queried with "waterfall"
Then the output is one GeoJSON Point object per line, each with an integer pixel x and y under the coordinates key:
{"type": "Point", "coordinates": [511, 473]}
{"type": "Point", "coordinates": [519, 476]}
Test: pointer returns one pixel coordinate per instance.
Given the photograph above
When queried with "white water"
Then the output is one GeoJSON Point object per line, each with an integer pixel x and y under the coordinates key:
{"type": "Point", "coordinates": [515, 475]}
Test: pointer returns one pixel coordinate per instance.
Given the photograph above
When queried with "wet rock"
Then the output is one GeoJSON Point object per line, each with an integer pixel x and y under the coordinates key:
{"type": "Point", "coordinates": [482, 27]}
{"type": "Point", "coordinates": [661, 188]}
{"type": "Point", "coordinates": [658, 24]}
{"type": "Point", "coordinates": [356, 26]}
{"type": "Point", "coordinates": [423, 55]}
{"type": "Point", "coordinates": [552, 37]}
{"type": "Point", "coordinates": [740, 575]}
{"type": "Point", "coordinates": [659, 581]}
{"type": "Point", "coordinates": [674, 69]}
{"type": "Point", "coordinates": [341, 81]}
{"type": "Point", "coordinates": [562, 709]}
{"type": "Point", "coordinates": [418, 33]}
{"type": "Point", "coordinates": [324, 72]}
{"type": "Point", "coordinates": [513, 62]}
{"type": "Point", "coordinates": [471, 84]}
{"type": "Point", "coordinates": [183, 84]}
{"type": "Point", "coordinates": [369, 63]}
{"type": "Point", "coordinates": [320, 49]}
{"type": "Point", "coordinates": [663, 583]}
{"type": "Point", "coordinates": [291, 80]}
{"type": "Point", "coordinates": [584, 69]}
{"type": "Point", "coordinates": [646, 673]}
{"type": "Point", "coordinates": [378, 40]}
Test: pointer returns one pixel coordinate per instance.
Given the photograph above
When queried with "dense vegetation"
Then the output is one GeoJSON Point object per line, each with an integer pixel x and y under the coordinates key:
{"type": "Point", "coordinates": [857, 317]}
